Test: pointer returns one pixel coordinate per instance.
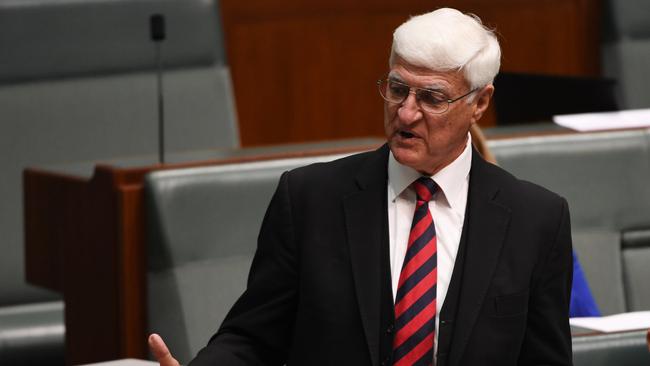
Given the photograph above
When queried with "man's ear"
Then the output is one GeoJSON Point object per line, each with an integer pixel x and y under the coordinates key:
{"type": "Point", "coordinates": [482, 101]}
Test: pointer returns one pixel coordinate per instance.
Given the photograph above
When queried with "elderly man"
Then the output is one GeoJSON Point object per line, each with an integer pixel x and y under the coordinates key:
{"type": "Point", "coordinates": [418, 253]}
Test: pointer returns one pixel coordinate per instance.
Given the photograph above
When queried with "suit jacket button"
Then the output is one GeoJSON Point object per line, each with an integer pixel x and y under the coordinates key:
{"type": "Point", "coordinates": [386, 361]}
{"type": "Point", "coordinates": [390, 329]}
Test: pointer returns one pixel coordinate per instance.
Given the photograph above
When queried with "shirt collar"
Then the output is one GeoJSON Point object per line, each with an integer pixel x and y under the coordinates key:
{"type": "Point", "coordinates": [448, 178]}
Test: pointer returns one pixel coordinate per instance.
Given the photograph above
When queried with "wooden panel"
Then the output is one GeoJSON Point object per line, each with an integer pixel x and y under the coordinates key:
{"type": "Point", "coordinates": [74, 244]}
{"type": "Point", "coordinates": [45, 234]}
{"type": "Point", "coordinates": [306, 70]}
{"type": "Point", "coordinates": [90, 257]}
{"type": "Point", "coordinates": [131, 270]}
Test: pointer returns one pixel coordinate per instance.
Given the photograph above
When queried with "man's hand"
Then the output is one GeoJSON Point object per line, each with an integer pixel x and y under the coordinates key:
{"type": "Point", "coordinates": [161, 352]}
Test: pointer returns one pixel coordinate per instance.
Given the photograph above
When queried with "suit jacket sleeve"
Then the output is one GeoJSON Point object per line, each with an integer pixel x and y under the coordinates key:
{"type": "Point", "coordinates": [547, 340]}
{"type": "Point", "coordinates": [258, 329]}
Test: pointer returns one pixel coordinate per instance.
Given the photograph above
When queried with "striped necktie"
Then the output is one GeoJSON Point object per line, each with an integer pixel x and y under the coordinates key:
{"type": "Point", "coordinates": [415, 302]}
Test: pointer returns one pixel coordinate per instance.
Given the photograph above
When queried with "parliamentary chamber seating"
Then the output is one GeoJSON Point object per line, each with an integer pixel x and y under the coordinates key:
{"type": "Point", "coordinates": [78, 83]}
{"type": "Point", "coordinates": [201, 239]}
{"type": "Point", "coordinates": [202, 230]}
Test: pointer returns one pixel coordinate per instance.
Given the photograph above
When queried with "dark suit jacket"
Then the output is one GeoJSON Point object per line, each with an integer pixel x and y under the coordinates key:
{"type": "Point", "coordinates": [319, 288]}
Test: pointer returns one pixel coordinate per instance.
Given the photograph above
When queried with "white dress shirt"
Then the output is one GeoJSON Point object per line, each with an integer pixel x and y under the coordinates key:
{"type": "Point", "coordinates": [447, 209]}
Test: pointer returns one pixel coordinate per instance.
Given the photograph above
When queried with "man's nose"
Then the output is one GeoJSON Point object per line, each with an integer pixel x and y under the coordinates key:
{"type": "Point", "coordinates": [409, 111]}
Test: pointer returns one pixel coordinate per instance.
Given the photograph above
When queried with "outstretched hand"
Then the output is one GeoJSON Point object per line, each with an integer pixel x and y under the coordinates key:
{"type": "Point", "coordinates": [161, 352]}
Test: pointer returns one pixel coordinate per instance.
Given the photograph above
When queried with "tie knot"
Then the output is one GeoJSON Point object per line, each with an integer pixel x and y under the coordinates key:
{"type": "Point", "coordinates": [424, 188]}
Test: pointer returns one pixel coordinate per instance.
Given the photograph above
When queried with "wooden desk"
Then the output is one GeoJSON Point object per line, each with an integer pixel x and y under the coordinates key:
{"type": "Point", "coordinates": [85, 238]}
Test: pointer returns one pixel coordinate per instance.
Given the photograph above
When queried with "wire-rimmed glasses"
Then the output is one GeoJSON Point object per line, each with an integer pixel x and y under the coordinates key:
{"type": "Point", "coordinates": [430, 101]}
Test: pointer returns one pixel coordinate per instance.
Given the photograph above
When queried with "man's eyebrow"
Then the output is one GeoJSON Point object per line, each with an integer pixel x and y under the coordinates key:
{"type": "Point", "coordinates": [395, 76]}
{"type": "Point", "coordinates": [436, 87]}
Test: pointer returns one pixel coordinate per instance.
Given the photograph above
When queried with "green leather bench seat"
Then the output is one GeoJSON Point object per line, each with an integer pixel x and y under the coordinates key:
{"type": "Point", "coordinates": [202, 225]}
{"type": "Point", "coordinates": [616, 349]}
{"type": "Point", "coordinates": [32, 334]}
{"type": "Point", "coordinates": [604, 177]}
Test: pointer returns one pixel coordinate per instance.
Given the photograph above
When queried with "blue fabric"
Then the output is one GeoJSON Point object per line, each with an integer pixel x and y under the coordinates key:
{"type": "Point", "coordinates": [582, 303]}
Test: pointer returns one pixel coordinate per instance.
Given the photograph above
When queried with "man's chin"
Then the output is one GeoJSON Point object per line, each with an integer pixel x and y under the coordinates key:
{"type": "Point", "coordinates": [405, 155]}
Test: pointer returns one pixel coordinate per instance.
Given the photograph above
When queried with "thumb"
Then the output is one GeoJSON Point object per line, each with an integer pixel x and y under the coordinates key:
{"type": "Point", "coordinates": [160, 351]}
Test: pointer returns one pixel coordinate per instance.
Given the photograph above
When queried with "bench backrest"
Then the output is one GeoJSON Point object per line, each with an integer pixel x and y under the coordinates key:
{"type": "Point", "coordinates": [606, 179]}
{"type": "Point", "coordinates": [203, 225]}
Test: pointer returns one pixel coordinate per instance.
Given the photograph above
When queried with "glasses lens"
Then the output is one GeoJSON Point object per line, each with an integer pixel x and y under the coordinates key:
{"type": "Point", "coordinates": [431, 101]}
{"type": "Point", "coordinates": [393, 91]}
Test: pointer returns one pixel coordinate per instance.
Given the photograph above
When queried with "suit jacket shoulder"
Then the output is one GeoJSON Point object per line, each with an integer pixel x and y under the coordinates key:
{"type": "Point", "coordinates": [334, 180]}
{"type": "Point", "coordinates": [341, 169]}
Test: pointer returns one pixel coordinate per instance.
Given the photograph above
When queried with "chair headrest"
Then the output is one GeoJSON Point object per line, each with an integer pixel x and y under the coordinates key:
{"type": "Point", "coordinates": [68, 38]}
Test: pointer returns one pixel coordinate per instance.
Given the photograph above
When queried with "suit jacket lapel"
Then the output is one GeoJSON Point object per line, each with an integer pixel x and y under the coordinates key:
{"type": "Point", "coordinates": [367, 232]}
{"type": "Point", "coordinates": [487, 225]}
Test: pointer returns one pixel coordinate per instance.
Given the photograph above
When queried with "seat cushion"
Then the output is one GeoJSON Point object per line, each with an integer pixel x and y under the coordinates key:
{"type": "Point", "coordinates": [32, 334]}
{"type": "Point", "coordinates": [67, 38]}
{"type": "Point", "coordinates": [620, 349]}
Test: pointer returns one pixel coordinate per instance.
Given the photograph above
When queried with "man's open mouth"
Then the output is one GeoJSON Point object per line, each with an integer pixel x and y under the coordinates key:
{"type": "Point", "coordinates": [406, 135]}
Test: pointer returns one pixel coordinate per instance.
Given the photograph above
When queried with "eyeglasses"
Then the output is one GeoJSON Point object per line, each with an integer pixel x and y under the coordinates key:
{"type": "Point", "coordinates": [430, 101]}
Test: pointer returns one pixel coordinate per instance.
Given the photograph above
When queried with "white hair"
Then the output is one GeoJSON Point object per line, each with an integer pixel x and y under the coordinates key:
{"type": "Point", "coordinates": [446, 39]}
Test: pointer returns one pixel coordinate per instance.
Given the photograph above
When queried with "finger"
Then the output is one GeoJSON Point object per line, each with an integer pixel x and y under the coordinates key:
{"type": "Point", "coordinates": [160, 351]}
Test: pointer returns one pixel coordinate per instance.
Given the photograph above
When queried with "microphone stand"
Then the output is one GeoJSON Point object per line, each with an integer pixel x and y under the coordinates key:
{"type": "Point", "coordinates": [157, 25]}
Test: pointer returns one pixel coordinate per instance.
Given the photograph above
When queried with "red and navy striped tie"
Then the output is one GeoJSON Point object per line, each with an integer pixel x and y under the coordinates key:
{"type": "Point", "coordinates": [415, 302]}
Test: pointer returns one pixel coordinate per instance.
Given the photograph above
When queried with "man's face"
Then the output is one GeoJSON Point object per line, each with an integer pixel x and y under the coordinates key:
{"type": "Point", "coordinates": [428, 142]}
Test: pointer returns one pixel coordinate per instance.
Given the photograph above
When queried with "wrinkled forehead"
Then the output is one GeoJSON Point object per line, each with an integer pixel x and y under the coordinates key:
{"type": "Point", "coordinates": [427, 78]}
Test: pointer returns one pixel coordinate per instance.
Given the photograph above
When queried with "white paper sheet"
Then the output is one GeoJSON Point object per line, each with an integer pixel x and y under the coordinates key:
{"type": "Point", "coordinates": [632, 118]}
{"type": "Point", "coordinates": [615, 323]}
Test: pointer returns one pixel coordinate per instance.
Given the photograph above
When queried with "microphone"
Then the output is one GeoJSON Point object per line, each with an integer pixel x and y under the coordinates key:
{"type": "Point", "coordinates": [157, 22]}
{"type": "Point", "coordinates": [157, 27]}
